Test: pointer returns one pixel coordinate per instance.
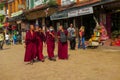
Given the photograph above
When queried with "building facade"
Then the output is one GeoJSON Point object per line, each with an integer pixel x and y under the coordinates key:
{"type": "Point", "coordinates": [39, 11]}
{"type": "Point", "coordinates": [64, 12]}
{"type": "Point", "coordinates": [14, 6]}
{"type": "Point", "coordinates": [84, 13]}
{"type": "Point", "coordinates": [2, 11]}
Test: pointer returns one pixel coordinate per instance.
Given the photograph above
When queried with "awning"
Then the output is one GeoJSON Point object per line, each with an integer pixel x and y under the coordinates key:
{"type": "Point", "coordinates": [15, 14]}
{"type": "Point", "coordinates": [78, 10]}
{"type": "Point", "coordinates": [20, 17]}
{"type": "Point", "coordinates": [40, 13]}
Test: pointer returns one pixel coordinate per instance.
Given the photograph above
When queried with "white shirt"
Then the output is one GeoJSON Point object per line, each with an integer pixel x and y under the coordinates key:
{"type": "Point", "coordinates": [71, 29]}
{"type": "Point", "coordinates": [6, 37]}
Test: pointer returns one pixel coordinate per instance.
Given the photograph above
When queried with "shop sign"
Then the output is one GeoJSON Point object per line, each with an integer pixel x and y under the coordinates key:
{"type": "Point", "coordinates": [67, 2]}
{"type": "Point", "coordinates": [16, 13]}
{"type": "Point", "coordinates": [60, 15]}
{"type": "Point", "coordinates": [85, 11]}
{"type": "Point", "coordinates": [73, 13]}
{"type": "Point", "coordinates": [2, 12]}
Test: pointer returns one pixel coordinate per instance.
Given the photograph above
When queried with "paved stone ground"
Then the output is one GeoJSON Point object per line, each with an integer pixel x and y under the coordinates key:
{"type": "Point", "coordinates": [91, 64]}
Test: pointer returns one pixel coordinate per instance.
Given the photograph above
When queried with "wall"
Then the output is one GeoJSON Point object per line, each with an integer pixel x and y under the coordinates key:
{"type": "Point", "coordinates": [15, 6]}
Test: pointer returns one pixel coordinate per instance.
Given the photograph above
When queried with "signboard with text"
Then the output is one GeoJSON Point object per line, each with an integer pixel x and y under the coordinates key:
{"type": "Point", "coordinates": [85, 11]}
{"type": "Point", "coordinates": [73, 13]}
{"type": "Point", "coordinates": [80, 12]}
{"type": "Point", "coordinates": [67, 2]}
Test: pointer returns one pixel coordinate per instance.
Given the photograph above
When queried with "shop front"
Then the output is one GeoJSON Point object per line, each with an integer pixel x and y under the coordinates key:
{"type": "Point", "coordinates": [109, 16]}
{"type": "Point", "coordinates": [78, 17]}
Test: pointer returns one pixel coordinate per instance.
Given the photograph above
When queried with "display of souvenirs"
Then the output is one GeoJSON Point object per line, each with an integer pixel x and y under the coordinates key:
{"type": "Point", "coordinates": [103, 32]}
{"type": "Point", "coordinates": [116, 41]}
{"type": "Point", "coordinates": [95, 39]}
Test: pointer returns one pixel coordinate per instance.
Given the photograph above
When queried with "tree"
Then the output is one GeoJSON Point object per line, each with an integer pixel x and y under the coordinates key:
{"type": "Point", "coordinates": [52, 3]}
{"type": "Point", "coordinates": [1, 5]}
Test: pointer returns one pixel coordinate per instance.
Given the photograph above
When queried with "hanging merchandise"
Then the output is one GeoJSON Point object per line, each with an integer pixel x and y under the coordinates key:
{"type": "Point", "coordinates": [6, 24]}
{"type": "Point", "coordinates": [13, 27]}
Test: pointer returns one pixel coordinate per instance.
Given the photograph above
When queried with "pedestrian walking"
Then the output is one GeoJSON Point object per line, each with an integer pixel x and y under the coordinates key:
{"type": "Point", "coordinates": [7, 38]}
{"type": "Point", "coordinates": [50, 41]}
{"type": "Point", "coordinates": [40, 39]}
{"type": "Point", "coordinates": [30, 45]}
{"type": "Point", "coordinates": [14, 39]}
{"type": "Point", "coordinates": [72, 36]}
{"type": "Point", "coordinates": [62, 43]}
{"type": "Point", "coordinates": [2, 37]}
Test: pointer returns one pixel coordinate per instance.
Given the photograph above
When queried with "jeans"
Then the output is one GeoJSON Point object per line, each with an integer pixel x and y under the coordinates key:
{"type": "Point", "coordinates": [81, 43]}
{"type": "Point", "coordinates": [14, 41]}
{"type": "Point", "coordinates": [1, 44]}
{"type": "Point", "coordinates": [7, 42]}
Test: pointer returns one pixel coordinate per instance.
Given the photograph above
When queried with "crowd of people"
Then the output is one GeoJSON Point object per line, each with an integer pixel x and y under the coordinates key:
{"type": "Point", "coordinates": [9, 39]}
{"type": "Point", "coordinates": [35, 38]}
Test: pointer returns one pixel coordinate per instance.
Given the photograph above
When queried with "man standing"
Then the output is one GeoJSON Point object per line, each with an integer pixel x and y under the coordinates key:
{"type": "Point", "coordinates": [72, 36]}
{"type": "Point", "coordinates": [1, 39]}
{"type": "Point", "coordinates": [7, 38]}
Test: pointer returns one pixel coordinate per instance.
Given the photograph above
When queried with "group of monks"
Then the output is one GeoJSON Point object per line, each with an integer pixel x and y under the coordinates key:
{"type": "Point", "coordinates": [35, 37]}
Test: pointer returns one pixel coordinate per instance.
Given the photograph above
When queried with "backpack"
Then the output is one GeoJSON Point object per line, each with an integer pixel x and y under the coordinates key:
{"type": "Point", "coordinates": [63, 37]}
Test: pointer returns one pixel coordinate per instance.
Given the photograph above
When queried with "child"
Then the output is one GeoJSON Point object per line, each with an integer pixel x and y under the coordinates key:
{"type": "Point", "coordinates": [14, 39]}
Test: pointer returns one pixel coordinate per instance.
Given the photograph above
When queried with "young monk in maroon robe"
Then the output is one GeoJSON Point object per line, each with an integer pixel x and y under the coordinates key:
{"type": "Point", "coordinates": [62, 43]}
{"type": "Point", "coordinates": [40, 39]}
{"type": "Point", "coordinates": [50, 41]}
{"type": "Point", "coordinates": [30, 45]}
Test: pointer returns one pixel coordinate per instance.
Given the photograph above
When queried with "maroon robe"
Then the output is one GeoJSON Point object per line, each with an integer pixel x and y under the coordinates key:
{"type": "Point", "coordinates": [39, 43]}
{"type": "Point", "coordinates": [62, 48]}
{"type": "Point", "coordinates": [50, 40]}
{"type": "Point", "coordinates": [30, 42]}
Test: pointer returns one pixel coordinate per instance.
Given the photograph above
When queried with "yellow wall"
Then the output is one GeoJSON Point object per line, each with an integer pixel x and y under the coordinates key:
{"type": "Point", "coordinates": [13, 6]}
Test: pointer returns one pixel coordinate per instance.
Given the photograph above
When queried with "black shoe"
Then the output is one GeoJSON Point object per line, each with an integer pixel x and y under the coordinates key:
{"type": "Point", "coordinates": [42, 60]}
{"type": "Point", "coordinates": [52, 59]}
